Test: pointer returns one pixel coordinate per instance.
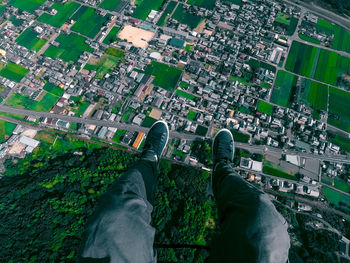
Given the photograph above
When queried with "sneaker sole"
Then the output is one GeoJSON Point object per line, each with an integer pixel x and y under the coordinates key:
{"type": "Point", "coordinates": [212, 144]}
{"type": "Point", "coordinates": [168, 133]}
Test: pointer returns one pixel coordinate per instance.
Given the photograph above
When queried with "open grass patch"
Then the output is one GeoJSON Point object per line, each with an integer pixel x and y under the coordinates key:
{"type": "Point", "coordinates": [148, 122]}
{"type": "Point", "coordinates": [81, 108]}
{"type": "Point", "coordinates": [240, 80]}
{"type": "Point", "coordinates": [14, 72]}
{"type": "Point", "coordinates": [240, 137]}
{"type": "Point", "coordinates": [170, 7]}
{"type": "Point", "coordinates": [23, 102]}
{"type": "Point", "coordinates": [109, 4]}
{"type": "Point", "coordinates": [88, 22]}
{"type": "Point", "coordinates": [336, 198]}
{"type": "Point", "coordinates": [107, 63]}
{"type": "Point", "coordinates": [201, 130]}
{"type": "Point", "coordinates": [165, 76]}
{"type": "Point", "coordinates": [208, 4]}
{"type": "Point", "coordinates": [283, 92]}
{"type": "Point", "coordinates": [185, 95]}
{"type": "Point", "coordinates": [314, 95]}
{"type": "Point", "coordinates": [112, 36]}
{"type": "Point", "coordinates": [265, 107]}
{"type": "Point", "coordinates": [2, 9]}
{"type": "Point", "coordinates": [339, 110]}
{"type": "Point", "coordinates": [6, 129]}
{"type": "Point", "coordinates": [16, 21]}
{"type": "Point", "coordinates": [30, 40]}
{"type": "Point", "coordinates": [186, 18]}
{"type": "Point", "coordinates": [275, 170]}
{"type": "Point", "coordinates": [71, 47]}
{"type": "Point", "coordinates": [119, 134]}
{"type": "Point", "coordinates": [145, 7]}
{"type": "Point", "coordinates": [282, 19]}
{"type": "Point", "coordinates": [341, 141]}
{"type": "Point", "coordinates": [27, 5]}
{"type": "Point", "coordinates": [191, 115]}
{"type": "Point", "coordinates": [64, 12]}
{"type": "Point", "coordinates": [49, 87]}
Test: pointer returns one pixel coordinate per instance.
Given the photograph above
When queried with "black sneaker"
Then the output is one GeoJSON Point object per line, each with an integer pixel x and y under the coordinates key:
{"type": "Point", "coordinates": [156, 141]}
{"type": "Point", "coordinates": [223, 147]}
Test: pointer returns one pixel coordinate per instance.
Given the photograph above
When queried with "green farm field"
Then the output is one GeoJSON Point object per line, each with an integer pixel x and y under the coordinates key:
{"type": "Point", "coordinates": [185, 18]}
{"type": "Point", "coordinates": [14, 72]}
{"type": "Point", "coordinates": [51, 88]}
{"type": "Point", "coordinates": [315, 95]}
{"type": "Point", "coordinates": [107, 63]}
{"type": "Point", "coordinates": [185, 94]}
{"type": "Point", "coordinates": [109, 4]}
{"type": "Point", "coordinates": [342, 142]}
{"type": "Point", "coordinates": [145, 7]}
{"type": "Point", "coordinates": [285, 85]}
{"type": "Point", "coordinates": [319, 64]}
{"type": "Point", "coordinates": [70, 48]}
{"type": "Point", "coordinates": [23, 102]}
{"type": "Point", "coordinates": [341, 39]}
{"type": "Point", "coordinates": [170, 7]}
{"type": "Point", "coordinates": [302, 59]}
{"type": "Point", "coordinates": [265, 107]}
{"type": "Point", "coordinates": [324, 26]}
{"type": "Point", "coordinates": [112, 36]}
{"type": "Point", "coordinates": [283, 18]}
{"type": "Point", "coordinates": [166, 76]}
{"type": "Point", "coordinates": [88, 22]}
{"type": "Point", "coordinates": [64, 12]}
{"type": "Point", "coordinates": [336, 198]}
{"type": "Point", "coordinates": [30, 40]}
{"type": "Point", "coordinates": [2, 9]}
{"type": "Point", "coordinates": [27, 5]}
{"type": "Point", "coordinates": [15, 21]}
{"type": "Point", "coordinates": [6, 129]}
{"type": "Point", "coordinates": [339, 110]}
{"type": "Point", "coordinates": [208, 4]}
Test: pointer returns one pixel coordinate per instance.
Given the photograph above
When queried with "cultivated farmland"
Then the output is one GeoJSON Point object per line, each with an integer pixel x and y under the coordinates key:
{"type": "Point", "coordinates": [88, 22]}
{"type": "Point", "coordinates": [14, 72]}
{"type": "Point", "coordinates": [315, 95]}
{"type": "Point", "coordinates": [265, 107]}
{"type": "Point", "coordinates": [70, 48]}
{"type": "Point", "coordinates": [23, 102]}
{"type": "Point", "coordinates": [112, 36]}
{"type": "Point", "coordinates": [302, 59]}
{"type": "Point", "coordinates": [109, 4]}
{"type": "Point", "coordinates": [284, 89]}
{"type": "Point", "coordinates": [6, 129]}
{"type": "Point", "coordinates": [30, 40]}
{"type": "Point", "coordinates": [208, 4]}
{"type": "Point", "coordinates": [64, 12]}
{"type": "Point", "coordinates": [166, 76]}
{"type": "Point", "coordinates": [144, 8]}
{"type": "Point", "coordinates": [185, 18]}
{"type": "Point", "coordinates": [339, 110]}
{"type": "Point", "coordinates": [170, 7]}
{"type": "Point", "coordinates": [27, 5]}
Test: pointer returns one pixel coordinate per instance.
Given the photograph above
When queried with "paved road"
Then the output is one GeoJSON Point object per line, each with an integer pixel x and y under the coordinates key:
{"type": "Point", "coordinates": [130, 127]}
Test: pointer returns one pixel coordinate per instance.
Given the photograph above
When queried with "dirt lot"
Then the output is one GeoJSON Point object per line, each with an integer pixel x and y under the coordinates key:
{"type": "Point", "coordinates": [137, 36]}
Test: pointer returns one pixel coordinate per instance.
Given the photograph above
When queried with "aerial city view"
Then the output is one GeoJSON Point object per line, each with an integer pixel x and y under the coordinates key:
{"type": "Point", "coordinates": [82, 82]}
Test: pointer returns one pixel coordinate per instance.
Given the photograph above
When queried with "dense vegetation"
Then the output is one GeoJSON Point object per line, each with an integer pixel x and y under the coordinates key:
{"type": "Point", "coordinates": [45, 202]}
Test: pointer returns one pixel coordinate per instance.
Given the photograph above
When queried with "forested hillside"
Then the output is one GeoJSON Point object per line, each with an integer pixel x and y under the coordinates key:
{"type": "Point", "coordinates": [46, 202]}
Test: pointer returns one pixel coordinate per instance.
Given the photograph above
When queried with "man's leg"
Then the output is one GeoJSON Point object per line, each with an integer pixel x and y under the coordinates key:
{"type": "Point", "coordinates": [119, 230]}
{"type": "Point", "coordinates": [251, 229]}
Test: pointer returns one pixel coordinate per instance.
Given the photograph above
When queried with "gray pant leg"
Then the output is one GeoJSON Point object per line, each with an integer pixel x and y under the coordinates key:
{"type": "Point", "coordinates": [251, 228]}
{"type": "Point", "coordinates": [119, 230]}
